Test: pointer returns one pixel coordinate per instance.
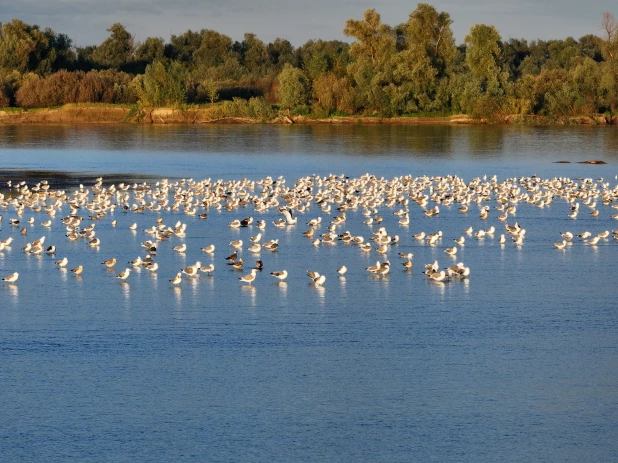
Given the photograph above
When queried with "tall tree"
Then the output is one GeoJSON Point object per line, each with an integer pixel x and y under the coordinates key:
{"type": "Point", "coordinates": [483, 54]}
{"type": "Point", "coordinates": [255, 55]}
{"type": "Point", "coordinates": [372, 54]}
{"type": "Point", "coordinates": [116, 50]}
{"type": "Point", "coordinates": [292, 89]}
{"type": "Point", "coordinates": [153, 48]}
{"type": "Point", "coordinates": [26, 48]}
{"type": "Point", "coordinates": [429, 33]}
{"type": "Point", "coordinates": [162, 84]}
{"type": "Point", "coordinates": [281, 51]}
{"type": "Point", "coordinates": [214, 49]}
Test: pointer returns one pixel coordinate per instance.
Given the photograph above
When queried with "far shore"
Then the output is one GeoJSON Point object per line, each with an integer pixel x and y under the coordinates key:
{"type": "Point", "coordinates": [118, 114]}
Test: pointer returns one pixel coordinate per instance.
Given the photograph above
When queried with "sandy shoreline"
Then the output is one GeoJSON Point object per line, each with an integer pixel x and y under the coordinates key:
{"type": "Point", "coordinates": [105, 114]}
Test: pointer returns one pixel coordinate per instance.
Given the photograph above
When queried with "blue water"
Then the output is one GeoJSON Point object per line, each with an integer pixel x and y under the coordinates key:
{"type": "Point", "coordinates": [517, 363]}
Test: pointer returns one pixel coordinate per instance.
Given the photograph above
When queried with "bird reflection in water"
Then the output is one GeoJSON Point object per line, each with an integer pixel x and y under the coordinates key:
{"type": "Point", "coordinates": [177, 296]}
{"type": "Point", "coordinates": [321, 291]}
{"type": "Point", "coordinates": [283, 289]}
{"type": "Point", "coordinates": [251, 292]}
{"type": "Point", "coordinates": [342, 285]}
{"type": "Point", "coordinates": [126, 290]}
{"type": "Point", "coordinates": [13, 292]}
{"type": "Point", "coordinates": [466, 285]}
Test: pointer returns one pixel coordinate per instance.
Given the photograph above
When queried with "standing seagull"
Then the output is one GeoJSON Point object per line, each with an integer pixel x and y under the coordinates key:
{"type": "Point", "coordinates": [78, 270]}
{"type": "Point", "coordinates": [124, 274]}
{"type": "Point", "coordinates": [177, 279]}
{"type": "Point", "coordinates": [109, 262]}
{"type": "Point", "coordinates": [249, 277]}
{"type": "Point", "coordinates": [11, 278]}
{"type": "Point", "coordinates": [280, 275]}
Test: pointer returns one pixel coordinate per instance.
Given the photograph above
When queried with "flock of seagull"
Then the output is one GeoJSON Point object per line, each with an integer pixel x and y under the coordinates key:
{"type": "Point", "coordinates": [326, 202]}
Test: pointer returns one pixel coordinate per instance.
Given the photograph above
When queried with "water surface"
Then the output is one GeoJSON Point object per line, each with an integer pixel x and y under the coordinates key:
{"type": "Point", "coordinates": [517, 363]}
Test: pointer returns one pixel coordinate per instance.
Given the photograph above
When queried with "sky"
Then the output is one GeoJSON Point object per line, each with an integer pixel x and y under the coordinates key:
{"type": "Point", "coordinates": [86, 21]}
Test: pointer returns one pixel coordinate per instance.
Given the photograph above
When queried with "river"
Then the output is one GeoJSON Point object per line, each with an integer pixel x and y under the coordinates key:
{"type": "Point", "coordinates": [518, 362]}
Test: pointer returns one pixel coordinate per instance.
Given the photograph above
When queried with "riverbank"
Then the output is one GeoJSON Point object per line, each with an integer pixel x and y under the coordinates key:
{"type": "Point", "coordinates": [116, 114]}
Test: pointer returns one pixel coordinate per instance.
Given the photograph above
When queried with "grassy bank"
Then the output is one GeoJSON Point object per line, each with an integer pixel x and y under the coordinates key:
{"type": "Point", "coordinates": [217, 114]}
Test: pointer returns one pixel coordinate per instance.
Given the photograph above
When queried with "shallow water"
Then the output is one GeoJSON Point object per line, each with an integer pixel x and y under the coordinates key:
{"type": "Point", "coordinates": [517, 363]}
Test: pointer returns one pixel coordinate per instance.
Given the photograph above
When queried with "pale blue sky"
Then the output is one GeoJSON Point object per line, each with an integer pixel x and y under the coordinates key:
{"type": "Point", "coordinates": [86, 21]}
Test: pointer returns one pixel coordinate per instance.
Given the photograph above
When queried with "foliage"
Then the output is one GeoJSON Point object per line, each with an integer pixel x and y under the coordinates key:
{"type": "Point", "coordinates": [292, 90]}
{"type": "Point", "coordinates": [411, 68]}
{"type": "Point", "coordinates": [161, 85]}
{"type": "Point", "coordinates": [115, 51]}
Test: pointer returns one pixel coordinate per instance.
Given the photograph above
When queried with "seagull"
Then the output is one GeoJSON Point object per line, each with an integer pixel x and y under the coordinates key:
{"type": "Point", "coordinates": [374, 268]}
{"type": "Point", "coordinates": [124, 274]}
{"type": "Point", "coordinates": [208, 269]}
{"type": "Point", "coordinates": [249, 277]}
{"type": "Point", "coordinates": [561, 245]}
{"type": "Point", "coordinates": [192, 270]}
{"type": "Point", "coordinates": [438, 276]}
{"type": "Point", "coordinates": [62, 262]}
{"type": "Point", "coordinates": [236, 244]}
{"type": "Point", "coordinates": [451, 251]}
{"type": "Point", "coordinates": [12, 278]}
{"type": "Point", "coordinates": [280, 275]}
{"type": "Point", "coordinates": [288, 217]}
{"type": "Point", "coordinates": [153, 267]}
{"type": "Point", "coordinates": [177, 279]}
{"type": "Point", "coordinates": [78, 270]}
{"type": "Point", "coordinates": [109, 262]}
{"type": "Point", "coordinates": [341, 270]}
{"type": "Point", "coordinates": [181, 248]}
{"type": "Point", "coordinates": [209, 249]}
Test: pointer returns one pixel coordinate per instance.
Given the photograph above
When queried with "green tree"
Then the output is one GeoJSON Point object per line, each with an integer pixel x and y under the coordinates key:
{"type": "Point", "coordinates": [162, 84]}
{"type": "Point", "coordinates": [152, 49]}
{"type": "Point", "coordinates": [26, 48]}
{"type": "Point", "coordinates": [292, 89]}
{"type": "Point", "coordinates": [483, 54]}
{"type": "Point", "coordinates": [372, 61]}
{"type": "Point", "coordinates": [254, 55]}
{"type": "Point", "coordinates": [116, 50]}
{"type": "Point", "coordinates": [182, 47]}
{"type": "Point", "coordinates": [609, 49]}
{"type": "Point", "coordinates": [281, 52]}
{"type": "Point", "coordinates": [428, 33]}
{"type": "Point", "coordinates": [214, 49]}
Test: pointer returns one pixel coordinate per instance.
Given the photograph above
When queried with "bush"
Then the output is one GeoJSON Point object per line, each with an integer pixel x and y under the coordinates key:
{"type": "Point", "coordinates": [301, 110]}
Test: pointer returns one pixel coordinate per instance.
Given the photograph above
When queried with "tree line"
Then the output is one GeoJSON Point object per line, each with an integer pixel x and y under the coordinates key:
{"type": "Point", "coordinates": [415, 67]}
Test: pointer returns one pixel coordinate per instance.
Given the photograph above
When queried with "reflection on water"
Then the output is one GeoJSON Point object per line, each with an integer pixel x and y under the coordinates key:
{"type": "Point", "coordinates": [272, 145]}
{"type": "Point", "coordinates": [177, 297]}
{"type": "Point", "coordinates": [516, 363]}
{"type": "Point", "coordinates": [13, 291]}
